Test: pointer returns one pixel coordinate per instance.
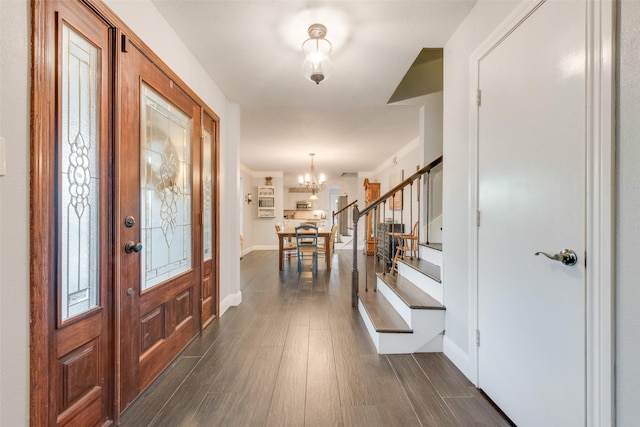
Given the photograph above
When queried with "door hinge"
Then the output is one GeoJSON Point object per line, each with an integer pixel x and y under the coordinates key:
{"type": "Point", "coordinates": [477, 218]}
{"type": "Point", "coordinates": [478, 97]}
{"type": "Point", "coordinates": [123, 43]}
{"type": "Point", "coordinates": [201, 305]}
{"type": "Point", "coordinates": [202, 132]}
{"type": "Point", "coordinates": [477, 338]}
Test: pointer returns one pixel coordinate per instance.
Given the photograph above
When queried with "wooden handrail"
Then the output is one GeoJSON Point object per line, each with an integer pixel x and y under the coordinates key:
{"type": "Point", "coordinates": [400, 186]}
{"type": "Point", "coordinates": [357, 214]}
{"type": "Point", "coordinates": [345, 208]}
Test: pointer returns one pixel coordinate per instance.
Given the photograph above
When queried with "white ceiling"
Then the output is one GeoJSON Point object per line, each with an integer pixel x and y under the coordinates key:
{"type": "Point", "coordinates": [251, 49]}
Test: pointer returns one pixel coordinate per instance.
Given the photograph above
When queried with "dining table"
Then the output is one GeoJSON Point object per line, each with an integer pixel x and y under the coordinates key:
{"type": "Point", "coordinates": [323, 232]}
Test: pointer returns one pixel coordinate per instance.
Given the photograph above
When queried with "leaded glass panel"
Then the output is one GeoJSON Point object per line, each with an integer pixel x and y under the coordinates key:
{"type": "Point", "coordinates": [207, 181]}
{"type": "Point", "coordinates": [165, 152]}
{"type": "Point", "coordinates": [79, 186]}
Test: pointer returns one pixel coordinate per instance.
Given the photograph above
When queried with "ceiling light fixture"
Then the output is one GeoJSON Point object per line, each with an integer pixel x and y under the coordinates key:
{"type": "Point", "coordinates": [316, 66]}
{"type": "Point", "coordinates": [310, 182]}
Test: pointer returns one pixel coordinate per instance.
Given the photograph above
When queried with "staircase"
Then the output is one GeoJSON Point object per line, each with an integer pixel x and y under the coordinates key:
{"type": "Point", "coordinates": [406, 313]}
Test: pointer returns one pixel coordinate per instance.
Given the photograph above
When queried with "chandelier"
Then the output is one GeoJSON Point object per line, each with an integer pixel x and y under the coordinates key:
{"type": "Point", "coordinates": [316, 66]}
{"type": "Point", "coordinates": [311, 182]}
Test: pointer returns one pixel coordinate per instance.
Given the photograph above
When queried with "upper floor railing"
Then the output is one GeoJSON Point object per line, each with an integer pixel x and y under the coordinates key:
{"type": "Point", "coordinates": [386, 234]}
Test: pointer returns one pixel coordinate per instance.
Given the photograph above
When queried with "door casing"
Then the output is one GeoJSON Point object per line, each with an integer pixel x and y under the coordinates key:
{"type": "Point", "coordinates": [600, 207]}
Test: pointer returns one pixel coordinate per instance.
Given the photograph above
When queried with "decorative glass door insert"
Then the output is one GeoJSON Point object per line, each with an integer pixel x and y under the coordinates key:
{"type": "Point", "coordinates": [80, 175]}
{"type": "Point", "coordinates": [207, 182]}
{"type": "Point", "coordinates": [165, 171]}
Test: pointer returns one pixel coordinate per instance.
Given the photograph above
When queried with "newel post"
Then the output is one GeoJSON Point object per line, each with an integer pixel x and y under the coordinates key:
{"type": "Point", "coordinates": [354, 273]}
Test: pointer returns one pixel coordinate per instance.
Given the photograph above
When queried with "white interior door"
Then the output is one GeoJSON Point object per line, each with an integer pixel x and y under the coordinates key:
{"type": "Point", "coordinates": [531, 183]}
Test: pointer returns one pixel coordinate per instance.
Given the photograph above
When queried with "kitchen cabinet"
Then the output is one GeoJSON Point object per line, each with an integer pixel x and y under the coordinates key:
{"type": "Point", "coordinates": [292, 223]}
{"type": "Point", "coordinates": [266, 202]}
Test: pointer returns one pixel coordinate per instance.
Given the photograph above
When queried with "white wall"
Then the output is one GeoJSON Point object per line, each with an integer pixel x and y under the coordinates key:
{"type": "Point", "coordinates": [264, 229]}
{"type": "Point", "coordinates": [482, 19]}
{"type": "Point", "coordinates": [431, 127]}
{"type": "Point", "coordinates": [248, 209]}
{"type": "Point", "coordinates": [628, 208]}
{"type": "Point", "coordinates": [389, 174]}
{"type": "Point", "coordinates": [14, 213]}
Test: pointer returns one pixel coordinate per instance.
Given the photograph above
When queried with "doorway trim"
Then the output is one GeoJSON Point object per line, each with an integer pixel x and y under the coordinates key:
{"type": "Point", "coordinates": [600, 91]}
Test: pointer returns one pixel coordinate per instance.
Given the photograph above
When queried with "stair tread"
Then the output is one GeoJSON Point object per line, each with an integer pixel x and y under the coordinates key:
{"type": "Point", "coordinates": [408, 292]}
{"type": "Point", "coordinates": [427, 268]}
{"type": "Point", "coordinates": [382, 314]}
{"type": "Point", "coordinates": [436, 246]}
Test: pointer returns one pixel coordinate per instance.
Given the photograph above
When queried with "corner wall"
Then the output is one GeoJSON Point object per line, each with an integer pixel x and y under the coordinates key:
{"type": "Point", "coordinates": [15, 51]}
{"type": "Point", "coordinates": [628, 206]}
{"type": "Point", "coordinates": [481, 21]}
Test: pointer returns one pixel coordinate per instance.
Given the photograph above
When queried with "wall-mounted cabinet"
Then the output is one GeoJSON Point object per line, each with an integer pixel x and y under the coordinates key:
{"type": "Point", "coordinates": [266, 202]}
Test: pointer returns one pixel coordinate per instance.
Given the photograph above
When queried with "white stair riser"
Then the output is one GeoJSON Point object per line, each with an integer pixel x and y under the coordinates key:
{"type": "Point", "coordinates": [425, 283]}
{"type": "Point", "coordinates": [375, 336]}
{"type": "Point", "coordinates": [429, 325]}
{"type": "Point", "coordinates": [434, 256]}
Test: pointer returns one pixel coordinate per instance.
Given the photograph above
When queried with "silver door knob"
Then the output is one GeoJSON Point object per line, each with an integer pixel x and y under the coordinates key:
{"type": "Point", "coordinates": [566, 256]}
{"type": "Point", "coordinates": [132, 247]}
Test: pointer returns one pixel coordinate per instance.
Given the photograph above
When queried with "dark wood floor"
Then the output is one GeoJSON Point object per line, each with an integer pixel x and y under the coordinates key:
{"type": "Point", "coordinates": [295, 353]}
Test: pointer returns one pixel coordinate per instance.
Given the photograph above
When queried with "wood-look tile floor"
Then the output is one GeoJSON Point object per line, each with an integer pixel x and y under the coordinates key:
{"type": "Point", "coordinates": [295, 353]}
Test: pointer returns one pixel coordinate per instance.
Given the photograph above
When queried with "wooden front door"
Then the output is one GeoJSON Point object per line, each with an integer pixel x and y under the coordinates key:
{"type": "Point", "coordinates": [158, 219]}
{"type": "Point", "coordinates": [124, 215]}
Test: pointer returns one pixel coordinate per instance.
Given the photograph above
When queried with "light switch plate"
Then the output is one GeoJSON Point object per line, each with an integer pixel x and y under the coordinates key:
{"type": "Point", "coordinates": [3, 158]}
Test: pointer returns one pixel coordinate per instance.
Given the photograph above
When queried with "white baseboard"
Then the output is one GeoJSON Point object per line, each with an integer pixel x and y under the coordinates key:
{"type": "Point", "coordinates": [259, 248]}
{"type": "Point", "coordinates": [231, 300]}
{"type": "Point", "coordinates": [265, 247]}
{"type": "Point", "coordinates": [456, 355]}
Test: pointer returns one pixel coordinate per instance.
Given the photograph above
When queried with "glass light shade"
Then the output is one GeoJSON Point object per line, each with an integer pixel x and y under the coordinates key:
{"type": "Point", "coordinates": [322, 179]}
{"type": "Point", "coordinates": [316, 66]}
{"type": "Point", "coordinates": [313, 197]}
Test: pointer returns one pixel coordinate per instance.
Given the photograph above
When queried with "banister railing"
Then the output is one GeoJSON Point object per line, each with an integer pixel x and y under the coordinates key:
{"type": "Point", "coordinates": [387, 239]}
{"type": "Point", "coordinates": [335, 214]}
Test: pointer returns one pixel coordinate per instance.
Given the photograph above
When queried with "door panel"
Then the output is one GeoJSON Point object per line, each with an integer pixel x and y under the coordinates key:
{"type": "Point", "coordinates": [80, 391]}
{"type": "Point", "coordinates": [159, 189]}
{"type": "Point", "coordinates": [209, 224]}
{"type": "Point", "coordinates": [531, 153]}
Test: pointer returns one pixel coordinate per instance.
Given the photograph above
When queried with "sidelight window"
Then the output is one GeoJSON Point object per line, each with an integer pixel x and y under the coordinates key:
{"type": "Point", "coordinates": [79, 171]}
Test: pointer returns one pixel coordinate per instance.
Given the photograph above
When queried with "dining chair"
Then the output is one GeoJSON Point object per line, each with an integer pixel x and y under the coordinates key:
{"type": "Point", "coordinates": [307, 243]}
{"type": "Point", "coordinates": [406, 243]}
{"type": "Point", "coordinates": [289, 248]}
{"type": "Point", "coordinates": [322, 251]}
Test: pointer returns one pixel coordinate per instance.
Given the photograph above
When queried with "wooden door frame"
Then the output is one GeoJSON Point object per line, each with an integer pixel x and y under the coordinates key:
{"type": "Point", "coordinates": [600, 141]}
{"type": "Point", "coordinates": [42, 200]}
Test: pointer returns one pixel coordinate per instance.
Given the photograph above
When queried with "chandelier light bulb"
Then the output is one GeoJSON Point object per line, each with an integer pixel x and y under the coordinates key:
{"type": "Point", "coordinates": [311, 182]}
